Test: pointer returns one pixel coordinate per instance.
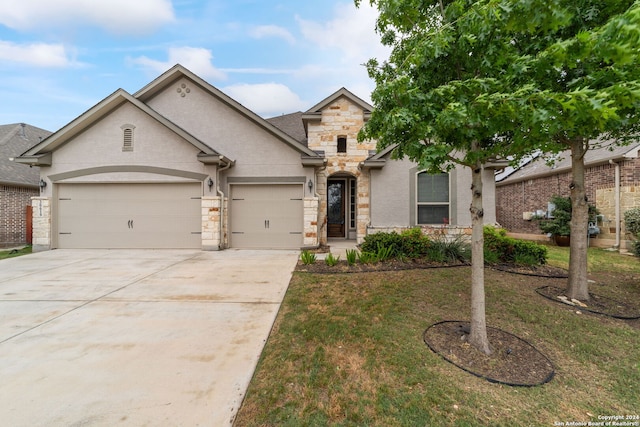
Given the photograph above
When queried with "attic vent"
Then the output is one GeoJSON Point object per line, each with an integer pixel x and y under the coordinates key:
{"type": "Point", "coordinates": [127, 137]}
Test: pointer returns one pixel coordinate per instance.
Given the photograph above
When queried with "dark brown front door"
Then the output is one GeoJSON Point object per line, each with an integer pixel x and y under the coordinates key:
{"type": "Point", "coordinates": [336, 208]}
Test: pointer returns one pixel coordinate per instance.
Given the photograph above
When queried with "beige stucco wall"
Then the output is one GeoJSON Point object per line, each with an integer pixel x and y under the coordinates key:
{"type": "Point", "coordinates": [256, 151]}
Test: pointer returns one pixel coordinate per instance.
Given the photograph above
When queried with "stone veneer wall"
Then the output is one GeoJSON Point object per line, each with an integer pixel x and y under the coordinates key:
{"type": "Point", "coordinates": [341, 118]}
{"type": "Point", "coordinates": [310, 238]}
{"type": "Point", "coordinates": [41, 223]}
{"type": "Point", "coordinates": [449, 232]}
{"type": "Point", "coordinates": [211, 239]}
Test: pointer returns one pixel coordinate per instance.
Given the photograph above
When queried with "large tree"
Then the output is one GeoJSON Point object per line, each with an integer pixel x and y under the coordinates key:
{"type": "Point", "coordinates": [466, 83]}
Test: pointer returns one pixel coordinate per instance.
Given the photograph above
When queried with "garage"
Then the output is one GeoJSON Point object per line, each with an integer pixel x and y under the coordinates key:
{"type": "Point", "coordinates": [129, 216]}
{"type": "Point", "coordinates": [266, 216]}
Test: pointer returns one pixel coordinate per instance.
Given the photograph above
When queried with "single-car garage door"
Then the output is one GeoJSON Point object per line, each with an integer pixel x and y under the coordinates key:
{"type": "Point", "coordinates": [266, 216]}
{"type": "Point", "coordinates": [135, 216]}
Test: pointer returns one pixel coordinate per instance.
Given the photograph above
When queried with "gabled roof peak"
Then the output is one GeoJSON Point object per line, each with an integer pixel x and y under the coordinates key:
{"type": "Point", "coordinates": [342, 92]}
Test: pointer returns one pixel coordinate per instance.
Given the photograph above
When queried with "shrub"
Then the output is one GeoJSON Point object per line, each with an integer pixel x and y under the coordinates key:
{"type": "Point", "coordinates": [500, 248]}
{"type": "Point", "coordinates": [442, 249]}
{"type": "Point", "coordinates": [632, 221]}
{"type": "Point", "coordinates": [308, 257]}
{"type": "Point", "coordinates": [384, 253]}
{"type": "Point", "coordinates": [331, 260]}
{"type": "Point", "coordinates": [352, 256]}
{"type": "Point", "coordinates": [408, 244]}
{"type": "Point", "coordinates": [368, 257]}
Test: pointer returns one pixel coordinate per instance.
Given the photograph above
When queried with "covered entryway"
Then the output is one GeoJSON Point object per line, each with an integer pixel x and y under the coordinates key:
{"type": "Point", "coordinates": [266, 216]}
{"type": "Point", "coordinates": [129, 216]}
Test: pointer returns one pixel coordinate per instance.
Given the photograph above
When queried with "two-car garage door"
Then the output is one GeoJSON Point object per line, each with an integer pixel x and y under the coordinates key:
{"type": "Point", "coordinates": [120, 216]}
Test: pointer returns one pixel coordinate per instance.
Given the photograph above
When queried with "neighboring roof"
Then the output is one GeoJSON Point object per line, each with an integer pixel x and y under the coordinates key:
{"type": "Point", "coordinates": [537, 166]}
{"type": "Point", "coordinates": [178, 71]}
{"type": "Point", "coordinates": [292, 125]}
{"type": "Point", "coordinates": [40, 155]}
{"type": "Point", "coordinates": [15, 139]}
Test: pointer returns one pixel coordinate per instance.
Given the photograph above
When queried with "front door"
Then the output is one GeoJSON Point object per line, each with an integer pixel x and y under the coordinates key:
{"type": "Point", "coordinates": [336, 207]}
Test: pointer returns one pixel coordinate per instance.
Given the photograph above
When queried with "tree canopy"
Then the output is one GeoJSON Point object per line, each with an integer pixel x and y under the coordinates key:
{"type": "Point", "coordinates": [471, 81]}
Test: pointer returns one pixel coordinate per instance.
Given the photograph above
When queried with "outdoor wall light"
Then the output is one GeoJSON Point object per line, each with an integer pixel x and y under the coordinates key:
{"type": "Point", "coordinates": [310, 184]}
{"type": "Point", "coordinates": [42, 184]}
{"type": "Point", "coordinates": [210, 183]}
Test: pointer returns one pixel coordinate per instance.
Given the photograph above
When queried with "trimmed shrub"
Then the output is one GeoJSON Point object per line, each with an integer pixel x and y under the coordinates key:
{"type": "Point", "coordinates": [632, 221]}
{"type": "Point", "coordinates": [408, 244]}
{"type": "Point", "coordinates": [500, 248]}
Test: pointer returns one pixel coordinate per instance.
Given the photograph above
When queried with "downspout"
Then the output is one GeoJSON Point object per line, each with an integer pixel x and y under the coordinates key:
{"type": "Point", "coordinates": [617, 201]}
{"type": "Point", "coordinates": [221, 194]}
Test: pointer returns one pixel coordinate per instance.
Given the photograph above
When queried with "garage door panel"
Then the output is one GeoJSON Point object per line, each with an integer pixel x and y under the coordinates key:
{"type": "Point", "coordinates": [129, 216]}
{"type": "Point", "coordinates": [267, 216]}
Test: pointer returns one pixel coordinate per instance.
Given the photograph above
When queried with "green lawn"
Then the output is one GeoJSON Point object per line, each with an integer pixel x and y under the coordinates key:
{"type": "Point", "coordinates": [14, 253]}
{"type": "Point", "coordinates": [347, 350]}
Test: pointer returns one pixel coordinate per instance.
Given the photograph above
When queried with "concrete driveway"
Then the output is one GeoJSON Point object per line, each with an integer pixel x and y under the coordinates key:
{"type": "Point", "coordinates": [134, 338]}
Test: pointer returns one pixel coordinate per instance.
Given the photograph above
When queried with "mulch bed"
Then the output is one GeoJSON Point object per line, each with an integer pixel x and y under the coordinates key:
{"type": "Point", "coordinates": [596, 304]}
{"type": "Point", "coordinates": [513, 361]}
{"type": "Point", "coordinates": [320, 267]}
{"type": "Point", "coordinates": [538, 271]}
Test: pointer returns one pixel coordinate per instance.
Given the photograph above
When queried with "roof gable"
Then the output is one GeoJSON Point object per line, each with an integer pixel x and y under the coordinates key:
{"type": "Point", "coordinates": [178, 71]}
{"type": "Point", "coordinates": [342, 92]}
{"type": "Point", "coordinates": [41, 153]}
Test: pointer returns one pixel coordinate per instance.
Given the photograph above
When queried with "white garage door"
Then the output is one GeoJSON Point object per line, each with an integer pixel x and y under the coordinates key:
{"type": "Point", "coordinates": [267, 216]}
{"type": "Point", "coordinates": [119, 216]}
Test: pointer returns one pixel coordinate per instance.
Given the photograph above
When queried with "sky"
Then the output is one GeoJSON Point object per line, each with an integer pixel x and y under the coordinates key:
{"type": "Point", "coordinates": [59, 58]}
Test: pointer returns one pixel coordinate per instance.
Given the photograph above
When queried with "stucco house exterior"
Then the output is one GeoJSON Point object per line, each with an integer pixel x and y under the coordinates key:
{"type": "Point", "coordinates": [18, 183]}
{"type": "Point", "coordinates": [612, 183]}
{"type": "Point", "coordinates": [179, 164]}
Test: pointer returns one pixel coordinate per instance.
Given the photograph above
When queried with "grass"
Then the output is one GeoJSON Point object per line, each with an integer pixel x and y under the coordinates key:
{"type": "Point", "coordinates": [14, 253]}
{"type": "Point", "coordinates": [347, 350]}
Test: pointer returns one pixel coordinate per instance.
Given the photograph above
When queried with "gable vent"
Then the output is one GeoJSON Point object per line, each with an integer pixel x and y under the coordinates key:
{"type": "Point", "coordinates": [127, 137]}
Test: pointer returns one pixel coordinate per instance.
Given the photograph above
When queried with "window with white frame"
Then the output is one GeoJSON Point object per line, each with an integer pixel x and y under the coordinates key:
{"type": "Point", "coordinates": [433, 198]}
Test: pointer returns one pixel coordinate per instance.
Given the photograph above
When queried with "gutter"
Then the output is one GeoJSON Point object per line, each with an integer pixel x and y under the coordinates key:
{"type": "Point", "coordinates": [617, 201]}
{"type": "Point", "coordinates": [228, 164]}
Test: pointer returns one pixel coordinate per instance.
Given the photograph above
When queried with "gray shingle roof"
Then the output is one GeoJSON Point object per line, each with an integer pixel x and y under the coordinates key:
{"type": "Point", "coordinates": [538, 166]}
{"type": "Point", "coordinates": [15, 139]}
{"type": "Point", "coordinates": [292, 125]}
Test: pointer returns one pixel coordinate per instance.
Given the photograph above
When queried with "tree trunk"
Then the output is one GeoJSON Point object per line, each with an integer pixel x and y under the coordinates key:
{"type": "Point", "coordinates": [578, 285]}
{"type": "Point", "coordinates": [478, 336]}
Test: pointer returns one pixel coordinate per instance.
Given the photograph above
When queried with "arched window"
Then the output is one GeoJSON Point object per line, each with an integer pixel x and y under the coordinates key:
{"type": "Point", "coordinates": [127, 137]}
{"type": "Point", "coordinates": [432, 201]}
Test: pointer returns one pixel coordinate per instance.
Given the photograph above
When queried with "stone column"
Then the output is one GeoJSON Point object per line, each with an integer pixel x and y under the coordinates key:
{"type": "Point", "coordinates": [211, 238]}
{"type": "Point", "coordinates": [41, 223]}
{"type": "Point", "coordinates": [363, 217]}
{"type": "Point", "coordinates": [311, 222]}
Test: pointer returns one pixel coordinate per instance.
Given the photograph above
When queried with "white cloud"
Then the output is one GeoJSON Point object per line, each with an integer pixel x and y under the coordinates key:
{"type": "Point", "coordinates": [198, 60]}
{"type": "Point", "coordinates": [37, 54]}
{"type": "Point", "coordinates": [116, 16]}
{"type": "Point", "coordinates": [351, 32]}
{"type": "Point", "coordinates": [265, 31]}
{"type": "Point", "coordinates": [266, 99]}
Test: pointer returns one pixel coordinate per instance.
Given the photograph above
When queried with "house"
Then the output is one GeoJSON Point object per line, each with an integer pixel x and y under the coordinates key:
{"type": "Point", "coordinates": [18, 183]}
{"type": "Point", "coordinates": [179, 164]}
{"type": "Point", "coordinates": [612, 183]}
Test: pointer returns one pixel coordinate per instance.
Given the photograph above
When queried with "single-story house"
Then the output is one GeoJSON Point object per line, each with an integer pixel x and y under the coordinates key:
{"type": "Point", "coordinates": [612, 183]}
{"type": "Point", "coordinates": [179, 164]}
{"type": "Point", "coordinates": [18, 183]}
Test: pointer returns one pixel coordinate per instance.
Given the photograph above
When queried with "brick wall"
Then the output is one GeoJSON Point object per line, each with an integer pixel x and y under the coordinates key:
{"type": "Point", "coordinates": [512, 200]}
{"type": "Point", "coordinates": [13, 220]}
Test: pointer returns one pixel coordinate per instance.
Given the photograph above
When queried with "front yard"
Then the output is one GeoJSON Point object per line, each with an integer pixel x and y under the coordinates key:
{"type": "Point", "coordinates": [347, 349]}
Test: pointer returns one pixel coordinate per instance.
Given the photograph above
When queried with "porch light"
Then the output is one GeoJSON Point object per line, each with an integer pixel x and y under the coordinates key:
{"type": "Point", "coordinates": [210, 183]}
{"type": "Point", "coordinates": [42, 184]}
{"type": "Point", "coordinates": [310, 184]}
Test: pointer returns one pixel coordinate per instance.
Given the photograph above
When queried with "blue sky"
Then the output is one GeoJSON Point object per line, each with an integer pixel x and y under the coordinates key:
{"type": "Point", "coordinates": [59, 58]}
